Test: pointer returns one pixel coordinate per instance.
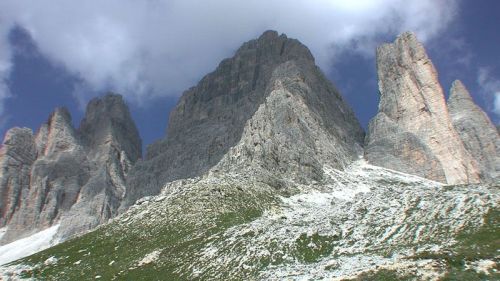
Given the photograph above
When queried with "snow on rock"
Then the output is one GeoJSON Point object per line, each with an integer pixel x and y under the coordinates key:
{"type": "Point", "coordinates": [2, 232]}
{"type": "Point", "coordinates": [29, 245]}
{"type": "Point", "coordinates": [149, 258]}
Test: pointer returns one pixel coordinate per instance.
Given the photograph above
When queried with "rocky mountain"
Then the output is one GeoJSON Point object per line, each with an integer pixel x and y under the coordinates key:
{"type": "Point", "coordinates": [413, 131]}
{"type": "Point", "coordinates": [479, 136]}
{"type": "Point", "coordinates": [67, 177]}
{"type": "Point", "coordinates": [268, 107]}
{"type": "Point", "coordinates": [16, 157]}
{"type": "Point", "coordinates": [261, 176]}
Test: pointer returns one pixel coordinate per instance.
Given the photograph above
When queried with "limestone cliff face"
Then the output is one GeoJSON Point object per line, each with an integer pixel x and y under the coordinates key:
{"type": "Point", "coordinates": [478, 134]}
{"type": "Point", "coordinates": [107, 122]}
{"type": "Point", "coordinates": [297, 130]}
{"type": "Point", "coordinates": [412, 131]}
{"type": "Point", "coordinates": [72, 177]}
{"type": "Point", "coordinates": [55, 177]}
{"type": "Point", "coordinates": [112, 145]}
{"type": "Point", "coordinates": [267, 106]}
{"type": "Point", "coordinates": [16, 157]}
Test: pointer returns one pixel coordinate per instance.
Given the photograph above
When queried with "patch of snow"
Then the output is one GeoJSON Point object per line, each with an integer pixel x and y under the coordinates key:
{"type": "Point", "coordinates": [29, 245]}
{"type": "Point", "coordinates": [2, 232]}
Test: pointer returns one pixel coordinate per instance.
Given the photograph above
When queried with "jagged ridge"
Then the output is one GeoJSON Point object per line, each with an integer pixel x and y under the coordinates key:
{"type": "Point", "coordinates": [75, 178]}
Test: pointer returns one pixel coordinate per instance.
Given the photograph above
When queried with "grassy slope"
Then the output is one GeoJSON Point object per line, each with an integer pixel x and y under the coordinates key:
{"type": "Point", "coordinates": [179, 226]}
{"type": "Point", "coordinates": [177, 230]}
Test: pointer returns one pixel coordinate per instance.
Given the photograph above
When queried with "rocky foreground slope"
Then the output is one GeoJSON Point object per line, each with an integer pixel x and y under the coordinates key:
{"type": "Point", "coordinates": [67, 177]}
{"type": "Point", "coordinates": [364, 223]}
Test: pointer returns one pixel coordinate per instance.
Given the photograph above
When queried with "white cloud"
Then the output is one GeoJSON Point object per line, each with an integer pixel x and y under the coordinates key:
{"type": "Point", "coordinates": [151, 48]}
{"type": "Point", "coordinates": [5, 66]}
{"type": "Point", "coordinates": [491, 87]}
{"type": "Point", "coordinates": [496, 105]}
{"type": "Point", "coordinates": [487, 82]}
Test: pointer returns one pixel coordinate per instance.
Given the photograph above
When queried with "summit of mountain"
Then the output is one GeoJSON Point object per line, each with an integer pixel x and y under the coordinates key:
{"type": "Point", "coordinates": [268, 107]}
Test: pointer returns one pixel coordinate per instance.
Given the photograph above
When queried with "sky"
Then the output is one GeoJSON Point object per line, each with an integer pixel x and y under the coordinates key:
{"type": "Point", "coordinates": [63, 53]}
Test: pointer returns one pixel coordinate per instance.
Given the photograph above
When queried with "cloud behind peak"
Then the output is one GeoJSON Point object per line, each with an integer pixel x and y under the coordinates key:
{"type": "Point", "coordinates": [145, 49]}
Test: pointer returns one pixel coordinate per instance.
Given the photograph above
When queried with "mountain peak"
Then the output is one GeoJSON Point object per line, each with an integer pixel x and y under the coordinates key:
{"type": "Point", "coordinates": [409, 40]}
{"type": "Point", "coordinates": [275, 47]}
{"type": "Point", "coordinates": [270, 35]}
{"type": "Point", "coordinates": [57, 134]}
{"type": "Point", "coordinates": [107, 119]}
{"type": "Point", "coordinates": [459, 92]}
{"type": "Point", "coordinates": [407, 36]}
{"type": "Point", "coordinates": [62, 113]}
{"type": "Point", "coordinates": [406, 50]}
{"type": "Point", "coordinates": [109, 105]}
{"type": "Point", "coordinates": [268, 99]}
{"type": "Point", "coordinates": [476, 130]}
{"type": "Point", "coordinates": [412, 131]}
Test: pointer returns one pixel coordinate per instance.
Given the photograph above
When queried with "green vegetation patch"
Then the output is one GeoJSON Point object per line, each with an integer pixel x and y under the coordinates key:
{"type": "Point", "coordinates": [311, 248]}
{"type": "Point", "coordinates": [172, 232]}
{"type": "Point", "coordinates": [472, 245]}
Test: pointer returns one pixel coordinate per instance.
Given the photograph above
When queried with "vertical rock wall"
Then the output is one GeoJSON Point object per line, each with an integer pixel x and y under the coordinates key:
{"type": "Point", "coordinates": [412, 131]}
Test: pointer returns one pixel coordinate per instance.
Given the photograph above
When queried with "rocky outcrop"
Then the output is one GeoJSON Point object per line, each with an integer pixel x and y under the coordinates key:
{"type": "Point", "coordinates": [297, 130]}
{"type": "Point", "coordinates": [107, 122]}
{"type": "Point", "coordinates": [269, 106]}
{"type": "Point", "coordinates": [412, 132]}
{"type": "Point", "coordinates": [478, 134]}
{"type": "Point", "coordinates": [113, 146]}
{"type": "Point", "coordinates": [55, 177]}
{"type": "Point", "coordinates": [75, 178]}
{"type": "Point", "coordinates": [16, 157]}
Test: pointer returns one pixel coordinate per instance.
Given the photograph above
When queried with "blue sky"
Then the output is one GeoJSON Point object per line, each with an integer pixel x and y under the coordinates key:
{"type": "Point", "coordinates": [132, 50]}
